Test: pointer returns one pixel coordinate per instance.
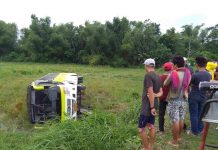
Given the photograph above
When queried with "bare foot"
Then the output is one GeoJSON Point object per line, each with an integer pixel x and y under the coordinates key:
{"type": "Point", "coordinates": [150, 147]}
{"type": "Point", "coordinates": [173, 143]}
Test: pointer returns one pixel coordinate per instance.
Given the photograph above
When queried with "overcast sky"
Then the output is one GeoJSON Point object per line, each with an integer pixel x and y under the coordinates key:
{"type": "Point", "coordinates": [168, 13]}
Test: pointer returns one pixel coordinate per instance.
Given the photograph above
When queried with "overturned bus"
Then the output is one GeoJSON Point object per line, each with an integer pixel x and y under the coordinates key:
{"type": "Point", "coordinates": [56, 95]}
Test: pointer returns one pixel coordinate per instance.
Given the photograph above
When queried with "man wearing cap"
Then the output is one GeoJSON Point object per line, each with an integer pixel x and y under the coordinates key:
{"type": "Point", "coordinates": [168, 66]}
{"type": "Point", "coordinates": [152, 85]}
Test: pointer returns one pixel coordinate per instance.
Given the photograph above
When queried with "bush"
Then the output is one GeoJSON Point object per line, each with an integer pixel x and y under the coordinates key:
{"type": "Point", "coordinates": [95, 60]}
{"type": "Point", "coordinates": [118, 62]}
{"type": "Point", "coordinates": [208, 55]}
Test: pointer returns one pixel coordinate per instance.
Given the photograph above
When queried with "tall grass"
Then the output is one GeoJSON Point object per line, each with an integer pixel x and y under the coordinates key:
{"type": "Point", "coordinates": [97, 131]}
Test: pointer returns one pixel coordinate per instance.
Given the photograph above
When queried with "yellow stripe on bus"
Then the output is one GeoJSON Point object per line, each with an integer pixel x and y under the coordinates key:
{"type": "Point", "coordinates": [62, 103]}
{"type": "Point", "coordinates": [61, 77]}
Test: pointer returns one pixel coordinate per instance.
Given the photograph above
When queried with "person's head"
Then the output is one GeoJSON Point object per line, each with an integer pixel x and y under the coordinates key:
{"type": "Point", "coordinates": [187, 63]}
{"type": "Point", "coordinates": [201, 62]}
{"type": "Point", "coordinates": [211, 66]}
{"type": "Point", "coordinates": [168, 66]}
{"type": "Point", "coordinates": [186, 60]}
{"type": "Point", "coordinates": [149, 64]}
{"type": "Point", "coordinates": [178, 61]}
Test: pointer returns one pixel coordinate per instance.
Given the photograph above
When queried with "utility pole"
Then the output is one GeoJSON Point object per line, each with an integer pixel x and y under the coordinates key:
{"type": "Point", "coordinates": [189, 45]}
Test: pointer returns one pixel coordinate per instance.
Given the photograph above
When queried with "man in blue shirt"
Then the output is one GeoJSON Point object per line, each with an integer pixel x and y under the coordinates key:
{"type": "Point", "coordinates": [197, 97]}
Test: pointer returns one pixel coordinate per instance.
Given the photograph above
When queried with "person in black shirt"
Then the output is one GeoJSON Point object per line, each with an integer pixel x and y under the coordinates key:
{"type": "Point", "coordinates": [152, 85]}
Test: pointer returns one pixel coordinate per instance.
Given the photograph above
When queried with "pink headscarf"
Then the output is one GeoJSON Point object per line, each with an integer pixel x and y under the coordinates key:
{"type": "Point", "coordinates": [175, 78]}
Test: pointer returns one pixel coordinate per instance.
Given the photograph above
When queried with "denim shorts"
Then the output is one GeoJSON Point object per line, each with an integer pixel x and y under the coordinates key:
{"type": "Point", "coordinates": [146, 121]}
{"type": "Point", "coordinates": [176, 109]}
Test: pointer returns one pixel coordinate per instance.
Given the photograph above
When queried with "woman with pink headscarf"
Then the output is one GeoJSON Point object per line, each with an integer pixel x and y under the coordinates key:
{"type": "Point", "coordinates": [179, 81]}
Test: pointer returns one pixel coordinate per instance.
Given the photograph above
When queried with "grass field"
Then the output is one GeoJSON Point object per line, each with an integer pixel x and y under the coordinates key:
{"type": "Point", "coordinates": [113, 94]}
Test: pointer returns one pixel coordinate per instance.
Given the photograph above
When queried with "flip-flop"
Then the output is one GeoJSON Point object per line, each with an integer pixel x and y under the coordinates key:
{"type": "Point", "coordinates": [172, 144]}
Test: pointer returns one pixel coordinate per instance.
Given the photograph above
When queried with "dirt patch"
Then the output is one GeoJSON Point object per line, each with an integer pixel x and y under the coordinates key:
{"type": "Point", "coordinates": [16, 109]}
{"type": "Point", "coordinates": [119, 108]}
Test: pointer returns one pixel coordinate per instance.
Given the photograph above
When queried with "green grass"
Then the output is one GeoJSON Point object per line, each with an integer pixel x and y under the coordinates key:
{"type": "Point", "coordinates": [113, 94]}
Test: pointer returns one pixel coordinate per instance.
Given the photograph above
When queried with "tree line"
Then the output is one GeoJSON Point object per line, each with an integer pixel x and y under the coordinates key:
{"type": "Point", "coordinates": [117, 43]}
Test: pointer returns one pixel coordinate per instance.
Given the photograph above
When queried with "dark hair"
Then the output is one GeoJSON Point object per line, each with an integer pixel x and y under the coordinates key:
{"type": "Point", "coordinates": [201, 61]}
{"type": "Point", "coordinates": [179, 61]}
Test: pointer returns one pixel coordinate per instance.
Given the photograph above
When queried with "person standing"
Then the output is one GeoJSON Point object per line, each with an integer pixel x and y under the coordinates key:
{"type": "Point", "coordinates": [152, 85]}
{"type": "Point", "coordinates": [168, 66]}
{"type": "Point", "coordinates": [178, 80]}
{"type": "Point", "coordinates": [210, 67]}
{"type": "Point", "coordinates": [216, 79]}
{"type": "Point", "coordinates": [188, 66]}
{"type": "Point", "coordinates": [216, 74]}
{"type": "Point", "coordinates": [196, 97]}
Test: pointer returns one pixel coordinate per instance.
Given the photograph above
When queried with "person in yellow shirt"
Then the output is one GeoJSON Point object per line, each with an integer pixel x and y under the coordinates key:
{"type": "Point", "coordinates": [216, 74]}
{"type": "Point", "coordinates": [211, 66]}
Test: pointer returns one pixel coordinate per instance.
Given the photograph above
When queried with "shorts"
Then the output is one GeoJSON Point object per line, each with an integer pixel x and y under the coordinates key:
{"type": "Point", "coordinates": [176, 109]}
{"type": "Point", "coordinates": [146, 121]}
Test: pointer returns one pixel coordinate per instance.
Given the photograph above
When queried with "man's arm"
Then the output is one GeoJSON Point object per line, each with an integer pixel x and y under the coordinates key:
{"type": "Point", "coordinates": [159, 94]}
{"type": "Point", "coordinates": [190, 82]}
{"type": "Point", "coordinates": [167, 81]}
{"type": "Point", "coordinates": [151, 100]}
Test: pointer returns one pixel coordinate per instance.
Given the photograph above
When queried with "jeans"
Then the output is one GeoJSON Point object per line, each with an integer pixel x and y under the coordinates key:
{"type": "Point", "coordinates": [196, 102]}
{"type": "Point", "coordinates": [162, 110]}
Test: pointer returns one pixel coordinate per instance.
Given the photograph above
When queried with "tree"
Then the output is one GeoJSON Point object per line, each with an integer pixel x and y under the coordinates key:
{"type": "Point", "coordinates": [8, 37]}
{"type": "Point", "coordinates": [117, 43]}
{"type": "Point", "coordinates": [64, 43]}
{"type": "Point", "coordinates": [95, 44]}
{"type": "Point", "coordinates": [211, 40]}
{"type": "Point", "coordinates": [34, 41]}
{"type": "Point", "coordinates": [141, 42]}
{"type": "Point", "coordinates": [191, 38]}
{"type": "Point", "coordinates": [116, 32]}
{"type": "Point", "coordinates": [173, 41]}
